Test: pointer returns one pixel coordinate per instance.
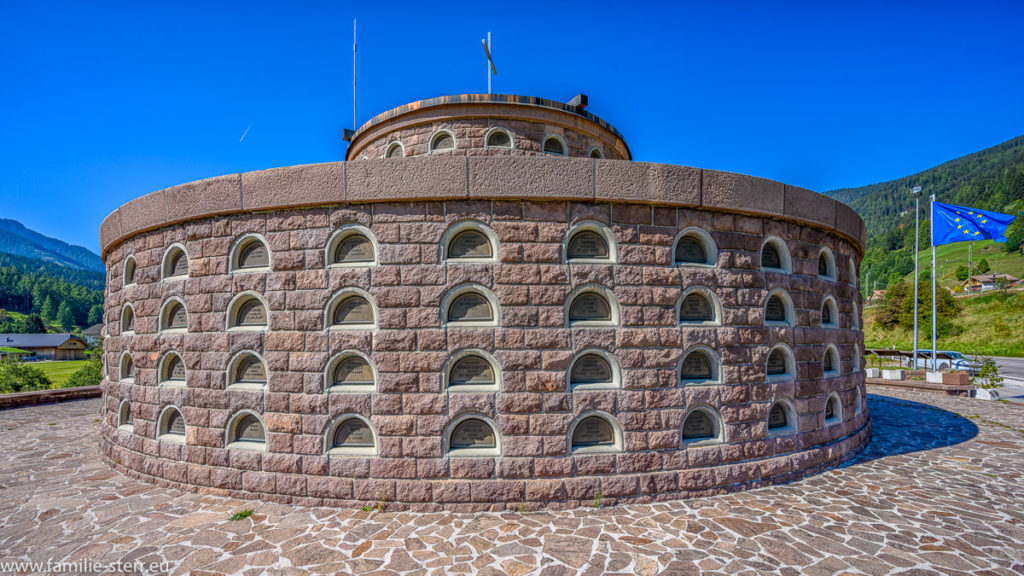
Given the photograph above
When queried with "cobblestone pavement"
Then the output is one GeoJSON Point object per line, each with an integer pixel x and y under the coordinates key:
{"type": "Point", "coordinates": [940, 490]}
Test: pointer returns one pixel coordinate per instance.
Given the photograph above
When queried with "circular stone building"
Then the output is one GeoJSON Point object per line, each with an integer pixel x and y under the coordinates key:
{"type": "Point", "coordinates": [488, 305]}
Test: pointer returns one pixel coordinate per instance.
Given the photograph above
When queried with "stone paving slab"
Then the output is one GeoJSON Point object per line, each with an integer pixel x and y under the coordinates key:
{"type": "Point", "coordinates": [940, 490]}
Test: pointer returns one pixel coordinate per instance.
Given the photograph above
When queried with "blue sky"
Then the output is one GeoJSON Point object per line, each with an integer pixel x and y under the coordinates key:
{"type": "Point", "coordinates": [103, 102]}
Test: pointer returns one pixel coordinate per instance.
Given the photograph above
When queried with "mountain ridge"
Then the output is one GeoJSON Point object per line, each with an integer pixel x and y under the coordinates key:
{"type": "Point", "coordinates": [18, 240]}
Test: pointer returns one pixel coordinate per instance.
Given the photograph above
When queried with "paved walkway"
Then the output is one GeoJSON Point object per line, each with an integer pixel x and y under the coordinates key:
{"type": "Point", "coordinates": [940, 490]}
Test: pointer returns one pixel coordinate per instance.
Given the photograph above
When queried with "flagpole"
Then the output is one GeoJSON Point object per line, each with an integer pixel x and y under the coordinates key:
{"type": "Point", "coordinates": [917, 257]}
{"type": "Point", "coordinates": [488, 63]}
{"type": "Point", "coordinates": [934, 332]}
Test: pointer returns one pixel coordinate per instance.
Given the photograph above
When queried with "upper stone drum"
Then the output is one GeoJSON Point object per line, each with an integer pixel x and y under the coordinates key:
{"type": "Point", "coordinates": [489, 305]}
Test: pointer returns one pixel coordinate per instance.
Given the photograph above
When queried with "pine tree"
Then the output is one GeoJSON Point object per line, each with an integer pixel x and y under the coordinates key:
{"type": "Point", "coordinates": [33, 324]}
{"type": "Point", "coordinates": [65, 317]}
{"type": "Point", "coordinates": [48, 310]}
{"type": "Point", "coordinates": [95, 315]}
{"type": "Point", "coordinates": [983, 266]}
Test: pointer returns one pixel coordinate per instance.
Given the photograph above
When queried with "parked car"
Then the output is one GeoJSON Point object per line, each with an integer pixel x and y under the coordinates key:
{"type": "Point", "coordinates": [946, 360]}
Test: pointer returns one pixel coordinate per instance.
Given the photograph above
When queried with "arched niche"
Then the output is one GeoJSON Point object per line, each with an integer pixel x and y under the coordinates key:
{"type": "Point", "coordinates": [472, 435]}
{"type": "Point", "coordinates": [130, 269]}
{"type": "Point", "coordinates": [351, 371]}
{"type": "Point", "coordinates": [175, 263]}
{"type": "Point", "coordinates": [699, 365]}
{"type": "Point", "coordinates": [826, 264]}
{"type": "Point", "coordinates": [126, 370]}
{"type": "Point", "coordinates": [172, 370]}
{"type": "Point", "coordinates": [350, 435]}
{"type": "Point", "coordinates": [778, 309]}
{"type": "Point", "coordinates": [469, 241]}
{"type": "Point", "coordinates": [831, 365]}
{"type": "Point", "coordinates": [442, 141]}
{"type": "Point", "coordinates": [351, 246]}
{"type": "Point", "coordinates": [248, 311]}
{"type": "Point", "coordinates": [693, 246]}
{"type": "Point", "coordinates": [125, 421]}
{"type": "Point", "coordinates": [780, 364]}
{"type": "Point", "coordinates": [699, 306]}
{"type": "Point", "coordinates": [173, 316]}
{"type": "Point", "coordinates": [594, 369]}
{"type": "Point", "coordinates": [127, 320]}
{"type": "Point", "coordinates": [595, 431]}
{"type": "Point", "coordinates": [246, 431]}
{"type": "Point", "coordinates": [591, 305]}
{"type": "Point", "coordinates": [782, 418]}
{"type": "Point", "coordinates": [471, 371]}
{"type": "Point", "coordinates": [590, 242]}
{"type": "Point", "coordinates": [250, 253]}
{"type": "Point", "coordinates": [247, 371]}
{"type": "Point", "coordinates": [171, 425]}
{"type": "Point", "coordinates": [499, 138]}
{"type": "Point", "coordinates": [829, 313]}
{"type": "Point", "coordinates": [702, 425]}
{"type": "Point", "coordinates": [470, 305]}
{"type": "Point", "coordinates": [351, 309]}
{"type": "Point", "coordinates": [775, 256]}
{"type": "Point", "coordinates": [833, 410]}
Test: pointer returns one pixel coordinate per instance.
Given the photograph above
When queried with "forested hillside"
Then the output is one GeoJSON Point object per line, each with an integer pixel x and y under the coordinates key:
{"type": "Point", "coordinates": [17, 240]}
{"type": "Point", "coordinates": [991, 179]}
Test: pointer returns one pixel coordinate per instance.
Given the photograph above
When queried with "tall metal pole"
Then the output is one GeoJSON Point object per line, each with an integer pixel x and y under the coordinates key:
{"type": "Point", "coordinates": [917, 235]}
{"type": "Point", "coordinates": [970, 266]}
{"type": "Point", "coordinates": [354, 125]}
{"type": "Point", "coordinates": [489, 64]}
{"type": "Point", "coordinates": [934, 331]}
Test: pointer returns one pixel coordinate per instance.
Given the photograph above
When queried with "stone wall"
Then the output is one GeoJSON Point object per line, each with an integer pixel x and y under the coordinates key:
{"type": "Point", "coordinates": [534, 408]}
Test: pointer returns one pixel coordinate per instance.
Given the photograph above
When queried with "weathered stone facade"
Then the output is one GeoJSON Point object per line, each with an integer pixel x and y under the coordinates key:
{"type": "Point", "coordinates": [407, 332]}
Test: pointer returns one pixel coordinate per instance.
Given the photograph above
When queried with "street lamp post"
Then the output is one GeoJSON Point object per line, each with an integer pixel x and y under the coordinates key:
{"type": "Point", "coordinates": [916, 190]}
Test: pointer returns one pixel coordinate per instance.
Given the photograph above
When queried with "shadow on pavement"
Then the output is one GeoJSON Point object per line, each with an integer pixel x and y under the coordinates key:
{"type": "Point", "coordinates": [902, 426]}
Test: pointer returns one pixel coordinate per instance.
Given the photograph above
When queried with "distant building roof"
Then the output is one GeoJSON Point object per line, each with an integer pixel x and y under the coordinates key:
{"type": "Point", "coordinates": [992, 278]}
{"type": "Point", "coordinates": [27, 341]}
{"type": "Point", "coordinates": [94, 330]}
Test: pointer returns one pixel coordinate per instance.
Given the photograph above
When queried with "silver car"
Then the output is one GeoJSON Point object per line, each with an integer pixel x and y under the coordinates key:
{"type": "Point", "coordinates": [946, 360]}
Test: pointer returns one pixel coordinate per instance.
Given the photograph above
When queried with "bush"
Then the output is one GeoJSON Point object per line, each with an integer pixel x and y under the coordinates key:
{"type": "Point", "coordinates": [19, 377]}
{"type": "Point", "coordinates": [89, 375]}
{"type": "Point", "coordinates": [988, 375]}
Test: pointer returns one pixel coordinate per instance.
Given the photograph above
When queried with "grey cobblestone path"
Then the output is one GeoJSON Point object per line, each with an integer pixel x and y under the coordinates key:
{"type": "Point", "coordinates": [940, 490]}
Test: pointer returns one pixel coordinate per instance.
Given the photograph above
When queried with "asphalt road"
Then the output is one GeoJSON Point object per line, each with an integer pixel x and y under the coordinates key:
{"type": "Point", "coordinates": [1013, 370]}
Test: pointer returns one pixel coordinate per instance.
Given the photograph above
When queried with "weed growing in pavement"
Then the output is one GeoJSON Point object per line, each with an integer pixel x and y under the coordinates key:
{"type": "Point", "coordinates": [240, 515]}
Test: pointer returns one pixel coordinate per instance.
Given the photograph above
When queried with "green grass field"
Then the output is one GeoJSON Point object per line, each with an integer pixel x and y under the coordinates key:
{"type": "Point", "coordinates": [950, 256]}
{"type": "Point", "coordinates": [59, 372]}
{"type": "Point", "coordinates": [993, 325]}
{"type": "Point", "coordinates": [51, 326]}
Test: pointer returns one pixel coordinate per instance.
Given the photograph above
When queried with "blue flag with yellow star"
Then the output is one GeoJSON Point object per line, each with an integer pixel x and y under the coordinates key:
{"type": "Point", "coordinates": [952, 223]}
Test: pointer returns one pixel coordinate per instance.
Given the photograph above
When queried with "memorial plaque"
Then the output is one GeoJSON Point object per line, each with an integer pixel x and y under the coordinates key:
{"type": "Point", "coordinates": [126, 414]}
{"type": "Point", "coordinates": [828, 364]}
{"type": "Point", "coordinates": [127, 368]}
{"type": "Point", "coordinates": [698, 425]}
{"type": "Point", "coordinates": [251, 313]}
{"type": "Point", "coordinates": [777, 417]}
{"type": "Point", "coordinates": [587, 244]}
{"type": "Point", "coordinates": [129, 272]}
{"type": "Point", "coordinates": [770, 257]}
{"type": "Point", "coordinates": [179, 264]}
{"type": "Point", "coordinates": [689, 250]}
{"type": "Point", "coordinates": [589, 306]}
{"type": "Point", "coordinates": [353, 371]}
{"type": "Point", "coordinates": [776, 363]}
{"type": "Point", "coordinates": [249, 429]}
{"type": "Point", "coordinates": [394, 152]}
{"type": "Point", "coordinates": [354, 248]}
{"type": "Point", "coordinates": [696, 367]}
{"type": "Point", "coordinates": [175, 423]}
{"type": "Point", "coordinates": [473, 433]}
{"type": "Point", "coordinates": [469, 244]}
{"type": "Point", "coordinates": [254, 255]}
{"type": "Point", "coordinates": [592, 431]}
{"type": "Point", "coordinates": [822, 266]}
{"type": "Point", "coordinates": [591, 369]}
{"type": "Point", "coordinates": [250, 371]}
{"type": "Point", "coordinates": [695, 308]}
{"type": "Point", "coordinates": [175, 368]}
{"type": "Point", "coordinates": [471, 370]}
{"type": "Point", "coordinates": [444, 142]}
{"type": "Point", "coordinates": [775, 310]}
{"type": "Point", "coordinates": [499, 139]}
{"type": "Point", "coordinates": [129, 320]}
{"type": "Point", "coordinates": [826, 314]}
{"type": "Point", "coordinates": [553, 146]}
{"type": "Point", "coordinates": [353, 433]}
{"type": "Point", "coordinates": [830, 409]}
{"type": "Point", "coordinates": [176, 316]}
{"type": "Point", "coordinates": [353, 310]}
{"type": "Point", "coordinates": [470, 307]}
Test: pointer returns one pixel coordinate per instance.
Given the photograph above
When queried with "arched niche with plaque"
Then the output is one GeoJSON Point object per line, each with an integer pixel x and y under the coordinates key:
{"type": "Point", "coordinates": [442, 141]}
{"type": "Point", "coordinates": [172, 370]}
{"type": "Point", "coordinates": [826, 264]}
{"type": "Point", "coordinates": [126, 371]}
{"type": "Point", "coordinates": [694, 247]}
{"type": "Point", "coordinates": [829, 313]}
{"type": "Point", "coordinates": [472, 371]}
{"type": "Point", "coordinates": [248, 312]}
{"type": "Point", "coordinates": [702, 425]}
{"type": "Point", "coordinates": [830, 363]}
{"type": "Point", "coordinates": [699, 365]}
{"type": "Point", "coordinates": [247, 371]}
{"type": "Point", "coordinates": [124, 416]}
{"type": "Point", "coordinates": [590, 242]}
{"type": "Point", "coordinates": [833, 410]}
{"type": "Point", "coordinates": [351, 246]}
{"type": "Point", "coordinates": [853, 273]}
{"type": "Point", "coordinates": [775, 256]}
{"type": "Point", "coordinates": [778, 308]}
{"type": "Point", "coordinates": [780, 364]}
{"type": "Point", "coordinates": [594, 370]}
{"type": "Point", "coordinates": [395, 150]}
{"type": "Point", "coordinates": [699, 305]}
{"type": "Point", "coordinates": [470, 305]}
{"type": "Point", "coordinates": [130, 268]}
{"type": "Point", "coordinates": [250, 254]}
{"type": "Point", "coordinates": [127, 319]}
{"type": "Point", "coordinates": [246, 431]}
{"type": "Point", "coordinates": [595, 432]}
{"type": "Point", "coordinates": [473, 435]}
{"type": "Point", "coordinates": [175, 263]}
{"type": "Point", "coordinates": [781, 418]}
{"type": "Point", "coordinates": [592, 305]}
{"type": "Point", "coordinates": [351, 371]}
{"type": "Point", "coordinates": [499, 138]}
{"type": "Point", "coordinates": [173, 316]}
{"type": "Point", "coordinates": [351, 309]}
{"type": "Point", "coordinates": [351, 435]}
{"type": "Point", "coordinates": [469, 241]}
{"type": "Point", "coordinates": [171, 425]}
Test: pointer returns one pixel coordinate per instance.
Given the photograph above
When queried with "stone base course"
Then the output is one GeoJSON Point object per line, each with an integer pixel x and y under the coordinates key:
{"type": "Point", "coordinates": [19, 399]}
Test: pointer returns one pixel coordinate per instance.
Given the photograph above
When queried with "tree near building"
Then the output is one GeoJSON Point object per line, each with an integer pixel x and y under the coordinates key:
{"type": "Point", "coordinates": [65, 317]}
{"type": "Point", "coordinates": [95, 315]}
{"type": "Point", "coordinates": [962, 273]}
{"type": "Point", "coordinates": [48, 311]}
{"type": "Point", "coordinates": [32, 324]}
{"type": "Point", "coordinates": [983, 266]}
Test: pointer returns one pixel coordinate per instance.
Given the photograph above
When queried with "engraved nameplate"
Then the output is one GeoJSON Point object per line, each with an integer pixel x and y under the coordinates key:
{"type": "Point", "coordinates": [695, 308]}
{"type": "Point", "coordinates": [353, 370]}
{"type": "Point", "coordinates": [471, 370]}
{"type": "Point", "coordinates": [587, 244]}
{"type": "Point", "coordinates": [696, 366]}
{"type": "Point", "coordinates": [469, 244]}
{"type": "Point", "coordinates": [251, 371]}
{"type": "Point", "coordinates": [175, 424]}
{"type": "Point", "coordinates": [250, 430]}
{"type": "Point", "coordinates": [353, 310]}
{"type": "Point", "coordinates": [591, 369]}
{"type": "Point", "coordinates": [776, 363]}
{"type": "Point", "coordinates": [179, 264]}
{"type": "Point", "coordinates": [589, 306]}
{"type": "Point", "coordinates": [355, 248]}
{"type": "Point", "coordinates": [177, 318]}
{"type": "Point", "coordinates": [690, 250]}
{"type": "Point", "coordinates": [252, 313]}
{"type": "Point", "coordinates": [254, 255]}
{"type": "Point", "coordinates": [592, 431]}
{"type": "Point", "coordinates": [775, 311]}
{"type": "Point", "coordinates": [473, 434]}
{"type": "Point", "coordinates": [698, 425]}
{"type": "Point", "coordinates": [353, 433]}
{"type": "Point", "coordinates": [770, 257]}
{"type": "Point", "coordinates": [175, 369]}
{"type": "Point", "coordinates": [473, 307]}
{"type": "Point", "coordinates": [777, 417]}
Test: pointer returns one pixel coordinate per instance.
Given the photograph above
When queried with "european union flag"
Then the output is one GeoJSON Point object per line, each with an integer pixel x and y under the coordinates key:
{"type": "Point", "coordinates": [952, 223]}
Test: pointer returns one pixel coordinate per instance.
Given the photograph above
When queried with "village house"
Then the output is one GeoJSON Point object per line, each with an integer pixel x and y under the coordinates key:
{"type": "Point", "coordinates": [46, 346]}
